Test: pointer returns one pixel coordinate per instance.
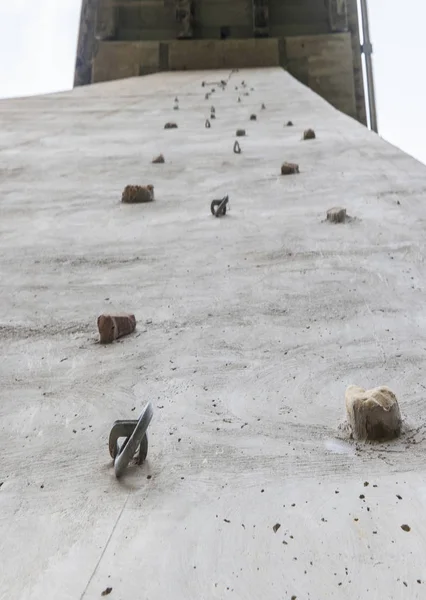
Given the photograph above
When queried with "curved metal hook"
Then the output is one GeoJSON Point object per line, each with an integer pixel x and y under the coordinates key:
{"type": "Point", "coordinates": [136, 438]}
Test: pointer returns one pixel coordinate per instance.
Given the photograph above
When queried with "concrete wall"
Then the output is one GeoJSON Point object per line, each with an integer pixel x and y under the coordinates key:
{"type": "Point", "coordinates": [325, 64]}
{"type": "Point", "coordinates": [214, 54]}
{"type": "Point", "coordinates": [155, 19]}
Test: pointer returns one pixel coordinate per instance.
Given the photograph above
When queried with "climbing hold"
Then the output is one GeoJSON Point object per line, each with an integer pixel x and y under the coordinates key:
{"type": "Point", "coordinates": [336, 214]}
{"type": "Point", "coordinates": [207, 124]}
{"type": "Point", "coordinates": [373, 414]}
{"type": "Point", "coordinates": [137, 194]}
{"type": "Point", "coordinates": [289, 168]}
{"type": "Point", "coordinates": [112, 327]}
{"type": "Point", "coordinates": [309, 134]}
{"type": "Point", "coordinates": [240, 132]}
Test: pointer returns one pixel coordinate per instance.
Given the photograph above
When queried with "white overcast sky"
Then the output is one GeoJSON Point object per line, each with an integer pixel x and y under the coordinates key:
{"type": "Point", "coordinates": [38, 42]}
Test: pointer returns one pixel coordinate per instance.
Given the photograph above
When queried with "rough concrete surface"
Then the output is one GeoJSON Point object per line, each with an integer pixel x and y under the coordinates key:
{"type": "Point", "coordinates": [250, 327]}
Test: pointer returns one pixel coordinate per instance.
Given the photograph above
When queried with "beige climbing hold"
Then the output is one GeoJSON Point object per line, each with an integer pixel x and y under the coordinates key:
{"type": "Point", "coordinates": [336, 214]}
{"type": "Point", "coordinates": [137, 194]}
{"type": "Point", "coordinates": [158, 160]}
{"type": "Point", "coordinates": [309, 134]}
{"type": "Point", "coordinates": [112, 327]}
{"type": "Point", "coordinates": [170, 126]}
{"type": "Point", "coordinates": [289, 168]}
{"type": "Point", "coordinates": [373, 414]}
{"type": "Point", "coordinates": [240, 132]}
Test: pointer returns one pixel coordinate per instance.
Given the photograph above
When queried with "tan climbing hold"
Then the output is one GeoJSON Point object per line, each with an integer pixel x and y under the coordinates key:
{"type": "Point", "coordinates": [373, 414]}
{"type": "Point", "coordinates": [309, 134]}
{"type": "Point", "coordinates": [112, 327]}
{"type": "Point", "coordinates": [240, 132]}
{"type": "Point", "coordinates": [158, 159]}
{"type": "Point", "coordinates": [289, 168]}
{"type": "Point", "coordinates": [336, 214]}
{"type": "Point", "coordinates": [137, 194]}
{"type": "Point", "coordinates": [170, 126]}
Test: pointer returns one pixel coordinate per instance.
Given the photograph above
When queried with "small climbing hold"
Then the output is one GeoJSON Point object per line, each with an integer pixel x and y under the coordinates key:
{"type": "Point", "coordinates": [239, 99]}
{"type": "Point", "coordinates": [218, 207]}
{"type": "Point", "coordinates": [289, 168]}
{"type": "Point", "coordinates": [112, 327]}
{"type": "Point", "coordinates": [263, 107]}
{"type": "Point", "coordinates": [212, 110]}
{"type": "Point", "coordinates": [276, 527]}
{"type": "Point", "coordinates": [289, 124]}
{"type": "Point", "coordinates": [237, 148]}
{"type": "Point", "coordinates": [207, 124]}
{"type": "Point", "coordinates": [253, 117]}
{"type": "Point", "coordinates": [137, 194]}
{"type": "Point", "coordinates": [207, 96]}
{"type": "Point", "coordinates": [309, 134]}
{"type": "Point", "coordinates": [336, 214]}
{"type": "Point", "coordinates": [240, 132]}
{"type": "Point", "coordinates": [158, 159]}
{"type": "Point", "coordinates": [372, 414]}
{"type": "Point", "coordinates": [176, 99]}
{"type": "Point", "coordinates": [203, 83]}
{"type": "Point", "coordinates": [176, 107]}
{"type": "Point", "coordinates": [170, 126]}
{"type": "Point", "coordinates": [213, 116]}
{"type": "Point", "coordinates": [406, 528]}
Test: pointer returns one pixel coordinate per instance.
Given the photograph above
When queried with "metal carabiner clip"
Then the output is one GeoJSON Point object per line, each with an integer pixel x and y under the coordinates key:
{"type": "Point", "coordinates": [136, 436]}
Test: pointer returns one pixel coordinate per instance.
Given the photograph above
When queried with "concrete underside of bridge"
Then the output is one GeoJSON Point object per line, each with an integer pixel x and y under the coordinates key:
{"type": "Point", "coordinates": [249, 329]}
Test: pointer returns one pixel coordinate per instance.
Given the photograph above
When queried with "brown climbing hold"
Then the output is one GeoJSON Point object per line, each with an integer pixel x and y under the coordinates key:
{"type": "Point", "coordinates": [212, 110]}
{"type": "Point", "coordinates": [170, 126]}
{"type": "Point", "coordinates": [240, 132]}
{"type": "Point", "coordinates": [237, 148]}
{"type": "Point", "coordinates": [289, 168]}
{"type": "Point", "coordinates": [263, 106]}
{"type": "Point", "coordinates": [289, 124]}
{"type": "Point", "coordinates": [336, 214]}
{"type": "Point", "coordinates": [253, 117]}
{"type": "Point", "coordinates": [207, 124]}
{"type": "Point", "coordinates": [112, 327]}
{"type": "Point", "coordinates": [213, 116]}
{"type": "Point", "coordinates": [137, 194]}
{"type": "Point", "coordinates": [372, 414]}
{"type": "Point", "coordinates": [309, 134]}
{"type": "Point", "coordinates": [158, 160]}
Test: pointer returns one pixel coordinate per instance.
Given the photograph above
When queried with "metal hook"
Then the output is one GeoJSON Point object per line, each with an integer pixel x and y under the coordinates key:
{"type": "Point", "coordinates": [135, 434]}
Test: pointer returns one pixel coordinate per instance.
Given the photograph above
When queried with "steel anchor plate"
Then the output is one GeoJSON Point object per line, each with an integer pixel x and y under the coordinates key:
{"type": "Point", "coordinates": [135, 433]}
